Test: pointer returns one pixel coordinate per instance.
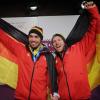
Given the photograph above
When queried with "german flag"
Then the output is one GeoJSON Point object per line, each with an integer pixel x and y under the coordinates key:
{"type": "Point", "coordinates": [10, 38]}
{"type": "Point", "coordinates": [94, 68]}
{"type": "Point", "coordinates": [8, 67]}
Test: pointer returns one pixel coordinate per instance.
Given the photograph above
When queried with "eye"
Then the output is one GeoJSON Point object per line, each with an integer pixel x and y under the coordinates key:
{"type": "Point", "coordinates": [30, 36]}
{"type": "Point", "coordinates": [54, 41]}
{"type": "Point", "coordinates": [36, 36]}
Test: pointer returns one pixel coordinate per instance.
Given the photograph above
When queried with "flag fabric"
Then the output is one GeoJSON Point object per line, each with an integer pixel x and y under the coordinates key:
{"type": "Point", "coordinates": [9, 37]}
{"type": "Point", "coordinates": [79, 29]}
{"type": "Point", "coordinates": [94, 74]}
{"type": "Point", "coordinates": [8, 67]}
{"type": "Point", "coordinates": [94, 70]}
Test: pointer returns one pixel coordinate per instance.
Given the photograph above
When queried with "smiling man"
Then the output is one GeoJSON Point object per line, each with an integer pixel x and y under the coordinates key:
{"type": "Point", "coordinates": [34, 76]}
{"type": "Point", "coordinates": [71, 61]}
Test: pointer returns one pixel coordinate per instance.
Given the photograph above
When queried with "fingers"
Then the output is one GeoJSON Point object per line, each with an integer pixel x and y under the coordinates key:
{"type": "Point", "coordinates": [88, 5]}
{"type": "Point", "coordinates": [54, 97]}
{"type": "Point", "coordinates": [51, 96]}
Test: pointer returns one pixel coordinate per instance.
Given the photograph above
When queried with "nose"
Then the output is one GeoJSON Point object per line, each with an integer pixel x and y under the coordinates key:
{"type": "Point", "coordinates": [56, 44]}
{"type": "Point", "coordinates": [32, 38]}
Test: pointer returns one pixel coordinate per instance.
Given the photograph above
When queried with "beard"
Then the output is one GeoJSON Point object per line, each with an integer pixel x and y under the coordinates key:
{"type": "Point", "coordinates": [35, 46]}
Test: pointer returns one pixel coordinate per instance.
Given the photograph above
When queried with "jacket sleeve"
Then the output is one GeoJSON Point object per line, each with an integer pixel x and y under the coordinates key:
{"type": "Point", "coordinates": [90, 35]}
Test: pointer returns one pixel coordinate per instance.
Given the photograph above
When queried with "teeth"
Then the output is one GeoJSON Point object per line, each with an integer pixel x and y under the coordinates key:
{"type": "Point", "coordinates": [32, 42]}
{"type": "Point", "coordinates": [58, 46]}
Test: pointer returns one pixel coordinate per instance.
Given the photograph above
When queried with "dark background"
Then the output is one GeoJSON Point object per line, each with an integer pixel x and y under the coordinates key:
{"type": "Point", "coordinates": [19, 8]}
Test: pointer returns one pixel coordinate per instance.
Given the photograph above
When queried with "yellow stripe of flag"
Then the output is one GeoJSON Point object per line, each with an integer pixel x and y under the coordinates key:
{"type": "Point", "coordinates": [94, 73]}
{"type": "Point", "coordinates": [8, 72]}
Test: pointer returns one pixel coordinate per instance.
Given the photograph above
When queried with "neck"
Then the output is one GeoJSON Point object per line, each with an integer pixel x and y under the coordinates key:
{"type": "Point", "coordinates": [35, 50]}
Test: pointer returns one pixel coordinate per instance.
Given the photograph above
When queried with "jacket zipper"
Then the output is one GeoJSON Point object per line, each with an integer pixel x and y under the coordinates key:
{"type": "Point", "coordinates": [30, 89]}
{"type": "Point", "coordinates": [70, 98]}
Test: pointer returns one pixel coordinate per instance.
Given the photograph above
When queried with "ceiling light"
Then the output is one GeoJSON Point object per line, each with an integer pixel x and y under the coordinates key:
{"type": "Point", "coordinates": [33, 7]}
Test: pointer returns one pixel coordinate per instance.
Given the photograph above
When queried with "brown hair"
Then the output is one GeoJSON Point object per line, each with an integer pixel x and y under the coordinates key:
{"type": "Point", "coordinates": [57, 34]}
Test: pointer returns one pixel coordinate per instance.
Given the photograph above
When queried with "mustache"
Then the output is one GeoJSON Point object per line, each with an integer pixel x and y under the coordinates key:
{"type": "Point", "coordinates": [32, 42]}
